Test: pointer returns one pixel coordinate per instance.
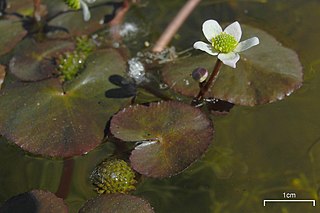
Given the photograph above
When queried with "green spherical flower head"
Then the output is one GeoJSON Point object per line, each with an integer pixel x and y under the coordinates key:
{"type": "Point", "coordinates": [113, 176]}
{"type": "Point", "coordinates": [224, 42]}
{"type": "Point", "coordinates": [74, 4]}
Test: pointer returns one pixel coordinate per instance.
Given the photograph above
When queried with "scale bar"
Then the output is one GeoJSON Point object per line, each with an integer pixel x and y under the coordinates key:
{"type": "Point", "coordinates": [287, 201]}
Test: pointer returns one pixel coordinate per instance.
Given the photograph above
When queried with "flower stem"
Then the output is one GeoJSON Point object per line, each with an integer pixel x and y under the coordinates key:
{"type": "Point", "coordinates": [66, 178]}
{"type": "Point", "coordinates": [204, 89]}
{"type": "Point", "coordinates": [37, 10]}
{"type": "Point", "coordinates": [175, 24]}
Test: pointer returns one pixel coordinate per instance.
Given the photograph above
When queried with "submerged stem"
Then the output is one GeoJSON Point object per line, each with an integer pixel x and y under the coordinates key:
{"type": "Point", "coordinates": [204, 89]}
{"type": "Point", "coordinates": [66, 178]}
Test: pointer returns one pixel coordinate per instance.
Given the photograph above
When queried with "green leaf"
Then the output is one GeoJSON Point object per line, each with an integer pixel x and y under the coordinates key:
{"type": "Point", "coordinates": [171, 135]}
{"type": "Point", "coordinates": [264, 73]}
{"type": "Point", "coordinates": [24, 8]}
{"type": "Point", "coordinates": [119, 203]}
{"type": "Point", "coordinates": [74, 25]}
{"type": "Point", "coordinates": [34, 201]}
{"type": "Point", "coordinates": [42, 119]}
{"type": "Point", "coordinates": [35, 61]}
{"type": "Point", "coordinates": [74, 4]}
{"type": "Point", "coordinates": [11, 32]}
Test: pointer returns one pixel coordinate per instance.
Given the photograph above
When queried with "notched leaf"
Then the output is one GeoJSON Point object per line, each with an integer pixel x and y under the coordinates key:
{"type": "Point", "coordinates": [35, 61]}
{"type": "Point", "coordinates": [170, 136]}
{"type": "Point", "coordinates": [34, 201]}
{"type": "Point", "coordinates": [119, 203]}
{"type": "Point", "coordinates": [11, 32]}
{"type": "Point", "coordinates": [42, 118]}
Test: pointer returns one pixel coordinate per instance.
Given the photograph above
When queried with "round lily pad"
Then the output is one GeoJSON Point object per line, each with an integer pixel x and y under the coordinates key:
{"type": "Point", "coordinates": [170, 136]}
{"type": "Point", "coordinates": [43, 119]}
{"type": "Point", "coordinates": [119, 203]}
{"type": "Point", "coordinates": [24, 8]}
{"type": "Point", "coordinates": [11, 32]}
{"type": "Point", "coordinates": [72, 24]}
{"type": "Point", "coordinates": [36, 201]}
{"type": "Point", "coordinates": [264, 73]}
{"type": "Point", "coordinates": [35, 60]}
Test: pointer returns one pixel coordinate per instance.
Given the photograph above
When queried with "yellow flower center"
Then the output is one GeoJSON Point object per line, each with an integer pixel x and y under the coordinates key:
{"type": "Point", "coordinates": [224, 42]}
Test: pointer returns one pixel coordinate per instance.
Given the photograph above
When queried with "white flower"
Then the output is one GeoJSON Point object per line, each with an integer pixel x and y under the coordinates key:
{"type": "Point", "coordinates": [225, 43]}
{"type": "Point", "coordinates": [85, 9]}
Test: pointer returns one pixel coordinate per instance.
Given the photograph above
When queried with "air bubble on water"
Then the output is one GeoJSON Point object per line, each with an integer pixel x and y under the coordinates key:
{"type": "Point", "coordinates": [116, 44]}
{"type": "Point", "coordinates": [163, 86]}
{"type": "Point", "coordinates": [186, 82]}
{"type": "Point", "coordinates": [136, 70]}
{"type": "Point", "coordinates": [280, 96]}
{"type": "Point", "coordinates": [289, 93]}
{"type": "Point", "coordinates": [128, 30]}
{"type": "Point", "coordinates": [145, 143]}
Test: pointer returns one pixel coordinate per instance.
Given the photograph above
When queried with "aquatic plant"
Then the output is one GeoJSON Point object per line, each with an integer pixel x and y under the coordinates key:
{"type": "Point", "coordinates": [200, 74]}
{"type": "Point", "coordinates": [77, 4]}
{"type": "Point", "coordinates": [169, 136]}
{"type": "Point", "coordinates": [70, 63]}
{"type": "Point", "coordinates": [249, 84]}
{"type": "Point", "coordinates": [35, 201]}
{"type": "Point", "coordinates": [98, 100]}
{"type": "Point", "coordinates": [113, 176]}
{"type": "Point", "coordinates": [121, 203]}
{"type": "Point", "coordinates": [225, 44]}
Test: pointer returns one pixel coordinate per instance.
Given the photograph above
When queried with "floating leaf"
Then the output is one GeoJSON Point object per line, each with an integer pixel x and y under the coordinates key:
{"type": "Point", "coordinates": [265, 73]}
{"type": "Point", "coordinates": [37, 201]}
{"type": "Point", "coordinates": [119, 203]}
{"type": "Point", "coordinates": [35, 61]}
{"type": "Point", "coordinates": [54, 7]}
{"type": "Point", "coordinates": [42, 119]}
{"type": "Point", "coordinates": [172, 135]}
{"type": "Point", "coordinates": [24, 8]}
{"type": "Point", "coordinates": [2, 74]}
{"type": "Point", "coordinates": [11, 32]}
{"type": "Point", "coordinates": [74, 25]}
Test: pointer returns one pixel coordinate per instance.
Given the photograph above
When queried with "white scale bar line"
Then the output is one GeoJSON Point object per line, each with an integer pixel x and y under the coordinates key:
{"type": "Point", "coordinates": [274, 201]}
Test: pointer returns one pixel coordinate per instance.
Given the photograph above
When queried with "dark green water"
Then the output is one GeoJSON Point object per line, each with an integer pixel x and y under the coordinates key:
{"type": "Point", "coordinates": [258, 152]}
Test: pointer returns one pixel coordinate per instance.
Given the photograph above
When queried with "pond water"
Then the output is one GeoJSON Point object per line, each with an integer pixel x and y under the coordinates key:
{"type": "Point", "coordinates": [258, 152]}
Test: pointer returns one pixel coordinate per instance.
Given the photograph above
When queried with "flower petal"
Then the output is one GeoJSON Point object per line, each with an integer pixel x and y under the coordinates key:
{"type": "Point", "coordinates": [229, 59]}
{"type": "Point", "coordinates": [234, 29]}
{"type": "Point", "coordinates": [211, 29]}
{"type": "Point", "coordinates": [200, 45]}
{"type": "Point", "coordinates": [246, 44]}
{"type": "Point", "coordinates": [85, 10]}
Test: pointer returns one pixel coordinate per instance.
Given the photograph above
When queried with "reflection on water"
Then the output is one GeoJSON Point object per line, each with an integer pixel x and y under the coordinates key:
{"type": "Point", "coordinates": [258, 152]}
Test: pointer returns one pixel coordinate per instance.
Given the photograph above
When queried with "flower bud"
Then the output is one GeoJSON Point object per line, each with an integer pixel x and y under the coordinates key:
{"type": "Point", "coordinates": [200, 74]}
